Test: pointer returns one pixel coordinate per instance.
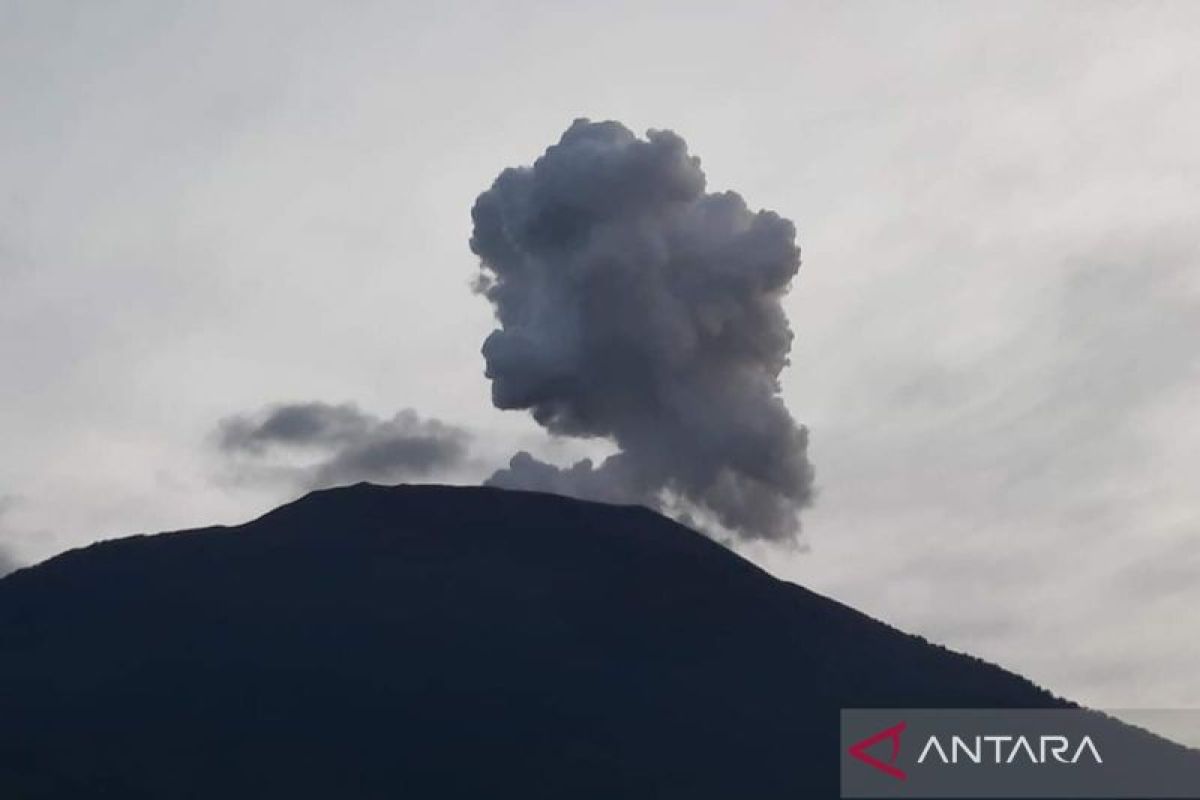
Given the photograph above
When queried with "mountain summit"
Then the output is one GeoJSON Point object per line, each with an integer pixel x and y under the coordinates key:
{"type": "Point", "coordinates": [428, 641]}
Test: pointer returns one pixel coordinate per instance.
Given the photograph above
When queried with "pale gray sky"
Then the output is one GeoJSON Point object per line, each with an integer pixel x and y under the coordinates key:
{"type": "Point", "coordinates": [209, 207]}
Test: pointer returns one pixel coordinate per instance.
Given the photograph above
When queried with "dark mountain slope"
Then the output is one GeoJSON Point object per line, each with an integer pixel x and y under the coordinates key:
{"type": "Point", "coordinates": [443, 642]}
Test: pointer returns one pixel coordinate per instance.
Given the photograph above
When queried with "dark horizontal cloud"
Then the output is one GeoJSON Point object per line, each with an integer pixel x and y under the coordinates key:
{"type": "Point", "coordinates": [321, 444]}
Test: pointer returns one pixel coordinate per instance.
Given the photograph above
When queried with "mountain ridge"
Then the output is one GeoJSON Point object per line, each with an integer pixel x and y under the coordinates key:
{"type": "Point", "coordinates": [447, 641]}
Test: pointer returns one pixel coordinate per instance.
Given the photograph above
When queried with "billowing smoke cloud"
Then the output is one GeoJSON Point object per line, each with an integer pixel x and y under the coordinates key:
{"type": "Point", "coordinates": [349, 444]}
{"type": "Point", "coordinates": [635, 306]}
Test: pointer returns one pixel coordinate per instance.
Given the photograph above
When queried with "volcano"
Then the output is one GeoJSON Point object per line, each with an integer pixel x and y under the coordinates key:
{"type": "Point", "coordinates": [431, 641]}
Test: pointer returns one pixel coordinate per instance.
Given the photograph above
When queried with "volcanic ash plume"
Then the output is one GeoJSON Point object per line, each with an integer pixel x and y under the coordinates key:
{"type": "Point", "coordinates": [635, 306]}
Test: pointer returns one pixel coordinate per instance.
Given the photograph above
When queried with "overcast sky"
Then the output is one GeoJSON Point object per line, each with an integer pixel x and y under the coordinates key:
{"type": "Point", "coordinates": [207, 208]}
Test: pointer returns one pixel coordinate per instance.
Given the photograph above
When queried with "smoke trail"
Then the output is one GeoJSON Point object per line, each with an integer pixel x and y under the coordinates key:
{"type": "Point", "coordinates": [352, 445]}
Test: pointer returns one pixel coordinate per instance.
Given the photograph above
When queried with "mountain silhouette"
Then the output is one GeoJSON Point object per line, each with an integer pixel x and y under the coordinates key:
{"type": "Point", "coordinates": [430, 641]}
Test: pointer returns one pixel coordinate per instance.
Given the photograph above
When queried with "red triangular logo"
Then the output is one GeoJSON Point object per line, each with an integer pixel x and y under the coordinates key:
{"type": "Point", "coordinates": [859, 751]}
